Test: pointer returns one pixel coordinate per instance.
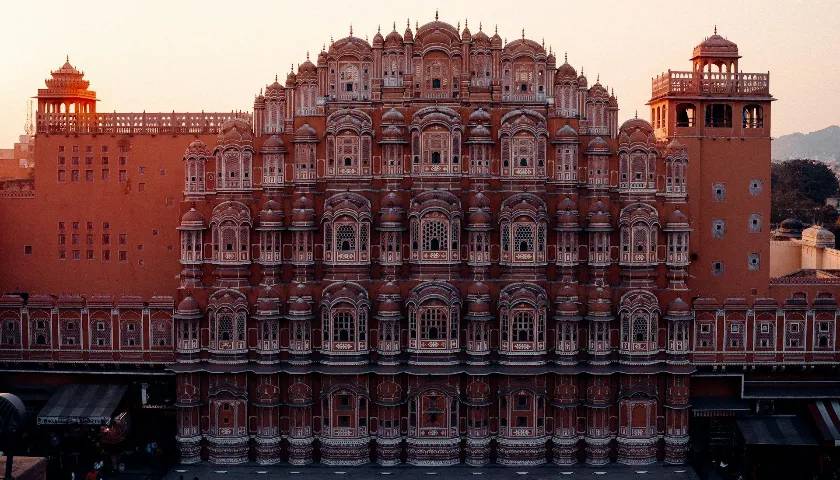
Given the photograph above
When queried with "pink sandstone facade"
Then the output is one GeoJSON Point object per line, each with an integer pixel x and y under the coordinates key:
{"type": "Point", "coordinates": [435, 248]}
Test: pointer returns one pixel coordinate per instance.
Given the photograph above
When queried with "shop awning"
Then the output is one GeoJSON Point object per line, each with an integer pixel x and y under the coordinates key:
{"type": "Point", "coordinates": [827, 417]}
{"type": "Point", "coordinates": [784, 430]}
{"type": "Point", "coordinates": [82, 405]}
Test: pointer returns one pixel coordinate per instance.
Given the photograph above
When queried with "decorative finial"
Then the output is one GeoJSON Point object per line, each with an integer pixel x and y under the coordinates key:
{"type": "Point", "coordinates": [351, 29]}
{"type": "Point", "coordinates": [331, 40]}
{"type": "Point", "coordinates": [543, 42]}
{"type": "Point", "coordinates": [598, 78]}
{"type": "Point", "coordinates": [377, 29]}
{"type": "Point", "coordinates": [566, 57]}
{"type": "Point", "coordinates": [458, 26]}
{"type": "Point", "coordinates": [407, 23]}
{"type": "Point", "coordinates": [466, 23]}
{"type": "Point", "coordinates": [497, 29]}
{"type": "Point", "coordinates": [436, 14]}
{"type": "Point", "coordinates": [479, 26]}
{"type": "Point", "coordinates": [523, 33]}
{"type": "Point", "coordinates": [292, 67]}
{"type": "Point", "coordinates": [715, 29]}
{"type": "Point", "coordinates": [307, 55]}
{"type": "Point", "coordinates": [637, 114]}
{"type": "Point", "coordinates": [67, 56]}
{"type": "Point", "coordinates": [416, 25]}
{"type": "Point", "coordinates": [275, 77]}
{"type": "Point", "coordinates": [323, 47]}
{"type": "Point", "coordinates": [395, 25]}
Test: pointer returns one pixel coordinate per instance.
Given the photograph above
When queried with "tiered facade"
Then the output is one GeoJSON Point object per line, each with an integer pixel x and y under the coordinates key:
{"type": "Point", "coordinates": [434, 249]}
{"type": "Point", "coordinates": [440, 248]}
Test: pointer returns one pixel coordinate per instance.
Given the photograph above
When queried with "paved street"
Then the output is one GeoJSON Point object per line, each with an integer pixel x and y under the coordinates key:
{"type": "Point", "coordinates": [459, 472]}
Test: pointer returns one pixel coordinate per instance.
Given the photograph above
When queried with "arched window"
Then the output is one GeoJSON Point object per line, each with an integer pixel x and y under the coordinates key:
{"type": "Point", "coordinates": [228, 313]}
{"type": "Point", "coordinates": [753, 116]}
{"type": "Point", "coordinates": [436, 141]}
{"type": "Point", "coordinates": [639, 313]}
{"type": "Point", "coordinates": [523, 137]}
{"type": "Point", "coordinates": [639, 225]}
{"type": "Point", "coordinates": [522, 319]}
{"type": "Point", "coordinates": [523, 230]}
{"type": "Point", "coordinates": [521, 414]}
{"type": "Point", "coordinates": [433, 413]}
{"type": "Point", "coordinates": [686, 114]}
{"type": "Point", "coordinates": [195, 159]}
{"type": "Point", "coordinates": [345, 413]}
{"type": "Point", "coordinates": [435, 227]}
{"type": "Point", "coordinates": [719, 115]}
{"type": "Point", "coordinates": [344, 315]}
{"type": "Point", "coordinates": [346, 222]}
{"type": "Point", "coordinates": [10, 332]}
{"type": "Point", "coordinates": [433, 318]}
{"type": "Point", "coordinates": [233, 168]}
{"type": "Point", "coordinates": [349, 137]}
{"type": "Point", "coordinates": [231, 226]}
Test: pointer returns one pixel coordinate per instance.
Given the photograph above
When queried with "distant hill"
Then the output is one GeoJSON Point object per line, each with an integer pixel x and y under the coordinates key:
{"type": "Point", "coordinates": [822, 145]}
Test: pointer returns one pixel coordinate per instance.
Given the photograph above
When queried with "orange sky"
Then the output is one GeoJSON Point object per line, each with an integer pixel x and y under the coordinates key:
{"type": "Point", "coordinates": [215, 55]}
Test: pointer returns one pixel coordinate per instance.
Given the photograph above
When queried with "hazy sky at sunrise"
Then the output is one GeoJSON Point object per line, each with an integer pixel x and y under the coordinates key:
{"type": "Point", "coordinates": [215, 55]}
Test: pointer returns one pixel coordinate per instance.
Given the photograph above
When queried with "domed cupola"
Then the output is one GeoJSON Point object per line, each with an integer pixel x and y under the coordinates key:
{"type": "Point", "coordinates": [271, 216]}
{"type": "Point", "coordinates": [567, 215]}
{"type": "Point", "coordinates": [391, 213]}
{"type": "Point", "coordinates": [599, 217]}
{"type": "Point", "coordinates": [303, 214]}
{"type": "Point", "coordinates": [274, 144]}
{"type": "Point", "coordinates": [192, 220]}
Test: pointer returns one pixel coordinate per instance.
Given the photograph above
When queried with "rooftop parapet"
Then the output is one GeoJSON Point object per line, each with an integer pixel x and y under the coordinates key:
{"type": "Point", "coordinates": [135, 123]}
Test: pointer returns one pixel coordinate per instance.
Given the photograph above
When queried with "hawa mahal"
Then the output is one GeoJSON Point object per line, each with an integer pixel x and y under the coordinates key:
{"type": "Point", "coordinates": [434, 248]}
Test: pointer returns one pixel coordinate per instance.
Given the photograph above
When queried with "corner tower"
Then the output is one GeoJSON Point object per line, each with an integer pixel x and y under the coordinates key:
{"type": "Point", "coordinates": [67, 92]}
{"type": "Point", "coordinates": [722, 116]}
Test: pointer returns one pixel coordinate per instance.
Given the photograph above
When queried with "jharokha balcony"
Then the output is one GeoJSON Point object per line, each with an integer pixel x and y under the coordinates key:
{"type": "Point", "coordinates": [711, 83]}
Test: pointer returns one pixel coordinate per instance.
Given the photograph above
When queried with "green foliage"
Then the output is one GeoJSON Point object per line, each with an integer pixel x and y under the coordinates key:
{"type": "Point", "coordinates": [799, 190]}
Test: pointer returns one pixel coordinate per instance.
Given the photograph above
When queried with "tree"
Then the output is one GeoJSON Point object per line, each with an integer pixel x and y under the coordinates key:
{"type": "Point", "coordinates": [799, 190]}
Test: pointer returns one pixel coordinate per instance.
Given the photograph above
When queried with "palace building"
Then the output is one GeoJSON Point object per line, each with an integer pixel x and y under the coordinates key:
{"type": "Point", "coordinates": [433, 248]}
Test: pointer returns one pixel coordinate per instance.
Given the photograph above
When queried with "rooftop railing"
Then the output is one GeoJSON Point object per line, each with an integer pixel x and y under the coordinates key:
{"type": "Point", "coordinates": [135, 123]}
{"type": "Point", "coordinates": [711, 83]}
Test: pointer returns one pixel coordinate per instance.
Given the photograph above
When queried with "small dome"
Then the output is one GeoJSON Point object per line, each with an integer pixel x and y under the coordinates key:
{"type": "Point", "coordinates": [479, 217]}
{"type": "Point", "coordinates": [197, 147]}
{"type": "Point", "coordinates": [479, 131]}
{"type": "Point", "coordinates": [302, 210]}
{"type": "Point", "coordinates": [567, 291]}
{"type": "Point", "coordinates": [291, 79]}
{"type": "Point", "coordinates": [479, 115]}
{"type": "Point", "coordinates": [677, 217]}
{"type": "Point", "coordinates": [566, 72]}
{"type": "Point", "coordinates": [188, 305]}
{"type": "Point", "coordinates": [478, 289]}
{"type": "Point", "coordinates": [678, 307]}
{"type": "Point", "coordinates": [479, 308]}
{"type": "Point", "coordinates": [392, 199]}
{"type": "Point", "coordinates": [305, 133]}
{"type": "Point", "coordinates": [307, 68]}
{"type": "Point", "coordinates": [818, 236]}
{"type": "Point", "coordinates": [235, 131]}
{"type": "Point", "coordinates": [408, 36]}
{"type": "Point", "coordinates": [599, 215]}
{"type": "Point", "coordinates": [393, 116]}
{"type": "Point", "coordinates": [390, 288]}
{"type": "Point", "coordinates": [568, 309]}
{"type": "Point", "coordinates": [299, 307]}
{"type": "Point", "coordinates": [480, 39]}
{"type": "Point", "coordinates": [466, 35]}
{"type": "Point", "coordinates": [192, 219]}
{"type": "Point", "coordinates": [479, 200]}
{"type": "Point", "coordinates": [394, 39]}
{"type": "Point", "coordinates": [389, 307]}
{"type": "Point", "coordinates": [496, 41]}
{"type": "Point", "coordinates": [598, 145]}
{"type": "Point", "coordinates": [273, 142]}
{"type": "Point", "coordinates": [271, 214]}
{"type": "Point", "coordinates": [566, 132]}
{"type": "Point", "coordinates": [716, 46]}
{"type": "Point", "coordinates": [378, 40]}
